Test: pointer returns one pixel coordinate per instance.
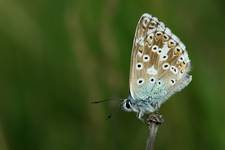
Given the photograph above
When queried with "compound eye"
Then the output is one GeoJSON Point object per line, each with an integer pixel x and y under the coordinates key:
{"type": "Point", "coordinates": [128, 104]}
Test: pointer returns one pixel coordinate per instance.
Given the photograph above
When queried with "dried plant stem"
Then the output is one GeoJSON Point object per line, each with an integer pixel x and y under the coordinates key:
{"type": "Point", "coordinates": [153, 121]}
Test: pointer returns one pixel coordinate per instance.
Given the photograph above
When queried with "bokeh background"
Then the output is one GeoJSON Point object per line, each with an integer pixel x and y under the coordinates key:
{"type": "Point", "coordinates": [57, 56]}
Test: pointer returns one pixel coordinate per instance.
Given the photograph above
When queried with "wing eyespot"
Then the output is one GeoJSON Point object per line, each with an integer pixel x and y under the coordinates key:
{"type": "Point", "coordinates": [165, 37]}
{"type": "Point", "coordinates": [173, 69]}
{"type": "Point", "coordinates": [158, 35]}
{"type": "Point", "coordinates": [172, 81]}
{"type": "Point", "coordinates": [140, 81]}
{"type": "Point", "coordinates": [165, 66]}
{"type": "Point", "coordinates": [163, 58]}
{"type": "Point", "coordinates": [159, 51]}
{"type": "Point", "coordinates": [146, 58]}
{"type": "Point", "coordinates": [152, 80]}
{"type": "Point", "coordinates": [181, 59]}
{"type": "Point", "coordinates": [159, 82]}
{"type": "Point", "coordinates": [171, 43]}
{"type": "Point", "coordinates": [139, 66]}
{"type": "Point", "coordinates": [178, 51]}
{"type": "Point", "coordinates": [154, 48]}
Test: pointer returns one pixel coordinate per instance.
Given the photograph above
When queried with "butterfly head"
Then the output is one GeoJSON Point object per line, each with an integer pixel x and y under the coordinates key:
{"type": "Point", "coordinates": [127, 104]}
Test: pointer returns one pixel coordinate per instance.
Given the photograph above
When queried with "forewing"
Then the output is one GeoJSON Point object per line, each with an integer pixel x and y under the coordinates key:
{"type": "Point", "coordinates": [159, 61]}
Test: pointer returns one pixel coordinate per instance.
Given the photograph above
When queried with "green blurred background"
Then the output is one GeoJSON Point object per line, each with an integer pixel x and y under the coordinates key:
{"type": "Point", "coordinates": [56, 56]}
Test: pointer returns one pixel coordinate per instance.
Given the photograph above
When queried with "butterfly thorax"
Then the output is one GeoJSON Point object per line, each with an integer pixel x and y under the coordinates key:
{"type": "Point", "coordinates": [140, 106]}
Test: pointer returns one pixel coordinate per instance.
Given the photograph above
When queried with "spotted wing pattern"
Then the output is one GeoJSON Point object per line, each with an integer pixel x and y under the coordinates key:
{"type": "Point", "coordinates": [159, 62]}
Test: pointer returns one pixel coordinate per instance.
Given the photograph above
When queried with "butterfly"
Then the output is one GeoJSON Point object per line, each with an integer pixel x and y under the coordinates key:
{"type": "Point", "coordinates": [159, 67]}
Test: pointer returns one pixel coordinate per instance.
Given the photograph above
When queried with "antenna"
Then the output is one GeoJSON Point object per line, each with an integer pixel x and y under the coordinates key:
{"type": "Point", "coordinates": [106, 100]}
{"type": "Point", "coordinates": [109, 115]}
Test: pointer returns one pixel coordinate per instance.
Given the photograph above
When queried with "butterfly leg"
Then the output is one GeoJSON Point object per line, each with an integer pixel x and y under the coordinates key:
{"type": "Point", "coordinates": [140, 115]}
{"type": "Point", "coordinates": [157, 106]}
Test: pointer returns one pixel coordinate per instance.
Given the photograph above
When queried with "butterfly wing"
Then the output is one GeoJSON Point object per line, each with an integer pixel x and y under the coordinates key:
{"type": "Point", "coordinates": [159, 62]}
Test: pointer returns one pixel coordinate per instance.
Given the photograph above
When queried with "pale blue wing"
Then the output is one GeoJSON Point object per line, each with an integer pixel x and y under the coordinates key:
{"type": "Point", "coordinates": [159, 62]}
